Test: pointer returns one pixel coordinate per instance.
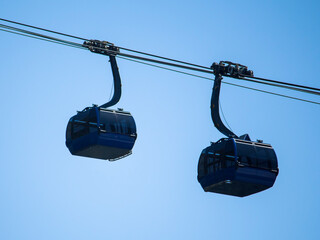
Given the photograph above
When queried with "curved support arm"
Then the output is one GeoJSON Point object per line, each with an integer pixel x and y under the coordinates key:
{"type": "Point", "coordinates": [116, 83]}
{"type": "Point", "coordinates": [215, 115]}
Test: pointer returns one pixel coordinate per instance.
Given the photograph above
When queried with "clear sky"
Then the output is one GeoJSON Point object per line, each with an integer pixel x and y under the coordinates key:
{"type": "Point", "coordinates": [46, 193]}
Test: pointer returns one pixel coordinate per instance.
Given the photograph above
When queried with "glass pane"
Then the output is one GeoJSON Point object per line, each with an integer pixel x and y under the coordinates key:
{"type": "Point", "coordinates": [256, 156]}
{"type": "Point", "coordinates": [108, 120]}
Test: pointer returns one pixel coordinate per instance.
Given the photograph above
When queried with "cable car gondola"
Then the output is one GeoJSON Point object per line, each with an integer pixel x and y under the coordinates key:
{"type": "Point", "coordinates": [235, 165]}
{"type": "Point", "coordinates": [99, 132]}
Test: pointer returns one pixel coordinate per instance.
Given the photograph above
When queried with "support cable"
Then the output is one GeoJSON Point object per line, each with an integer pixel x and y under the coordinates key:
{"type": "Point", "coordinates": [283, 86]}
{"type": "Point", "coordinates": [296, 87]}
{"type": "Point", "coordinates": [40, 35]}
{"type": "Point", "coordinates": [169, 59]}
{"type": "Point", "coordinates": [231, 84]}
{"type": "Point", "coordinates": [30, 36]}
{"type": "Point", "coordinates": [84, 39]}
{"type": "Point", "coordinates": [122, 54]}
{"type": "Point", "coordinates": [43, 29]}
{"type": "Point", "coordinates": [284, 83]}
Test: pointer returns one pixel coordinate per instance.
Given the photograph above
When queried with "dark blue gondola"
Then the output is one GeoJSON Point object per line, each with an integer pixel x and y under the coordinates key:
{"type": "Point", "coordinates": [235, 165]}
{"type": "Point", "coordinates": [99, 132]}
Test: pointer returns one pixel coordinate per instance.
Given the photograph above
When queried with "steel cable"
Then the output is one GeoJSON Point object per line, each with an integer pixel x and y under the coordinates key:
{"type": "Point", "coordinates": [282, 86]}
{"type": "Point", "coordinates": [84, 39]}
{"type": "Point", "coordinates": [40, 35]}
{"type": "Point", "coordinates": [228, 83]}
{"type": "Point", "coordinates": [43, 29]}
{"type": "Point", "coordinates": [269, 82]}
{"type": "Point", "coordinates": [284, 83]}
{"type": "Point", "coordinates": [39, 38]}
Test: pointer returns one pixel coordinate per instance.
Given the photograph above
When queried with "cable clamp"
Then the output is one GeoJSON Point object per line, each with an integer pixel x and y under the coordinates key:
{"type": "Point", "coordinates": [230, 69]}
{"type": "Point", "coordinates": [101, 47]}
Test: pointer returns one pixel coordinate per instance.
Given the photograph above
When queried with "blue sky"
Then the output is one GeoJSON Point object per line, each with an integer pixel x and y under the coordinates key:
{"type": "Point", "coordinates": [46, 193]}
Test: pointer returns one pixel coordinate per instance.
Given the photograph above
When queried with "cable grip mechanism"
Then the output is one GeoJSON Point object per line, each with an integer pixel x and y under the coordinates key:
{"type": "Point", "coordinates": [230, 69]}
{"type": "Point", "coordinates": [101, 47]}
{"type": "Point", "coordinates": [107, 48]}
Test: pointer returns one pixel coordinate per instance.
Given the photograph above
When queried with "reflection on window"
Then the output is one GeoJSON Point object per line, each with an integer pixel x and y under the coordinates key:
{"type": "Point", "coordinates": [122, 126]}
{"type": "Point", "coordinates": [218, 161]}
{"type": "Point", "coordinates": [259, 157]}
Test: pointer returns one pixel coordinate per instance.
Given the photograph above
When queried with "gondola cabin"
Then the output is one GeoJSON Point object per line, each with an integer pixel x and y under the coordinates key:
{"type": "Point", "coordinates": [101, 133]}
{"type": "Point", "coordinates": [237, 167]}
